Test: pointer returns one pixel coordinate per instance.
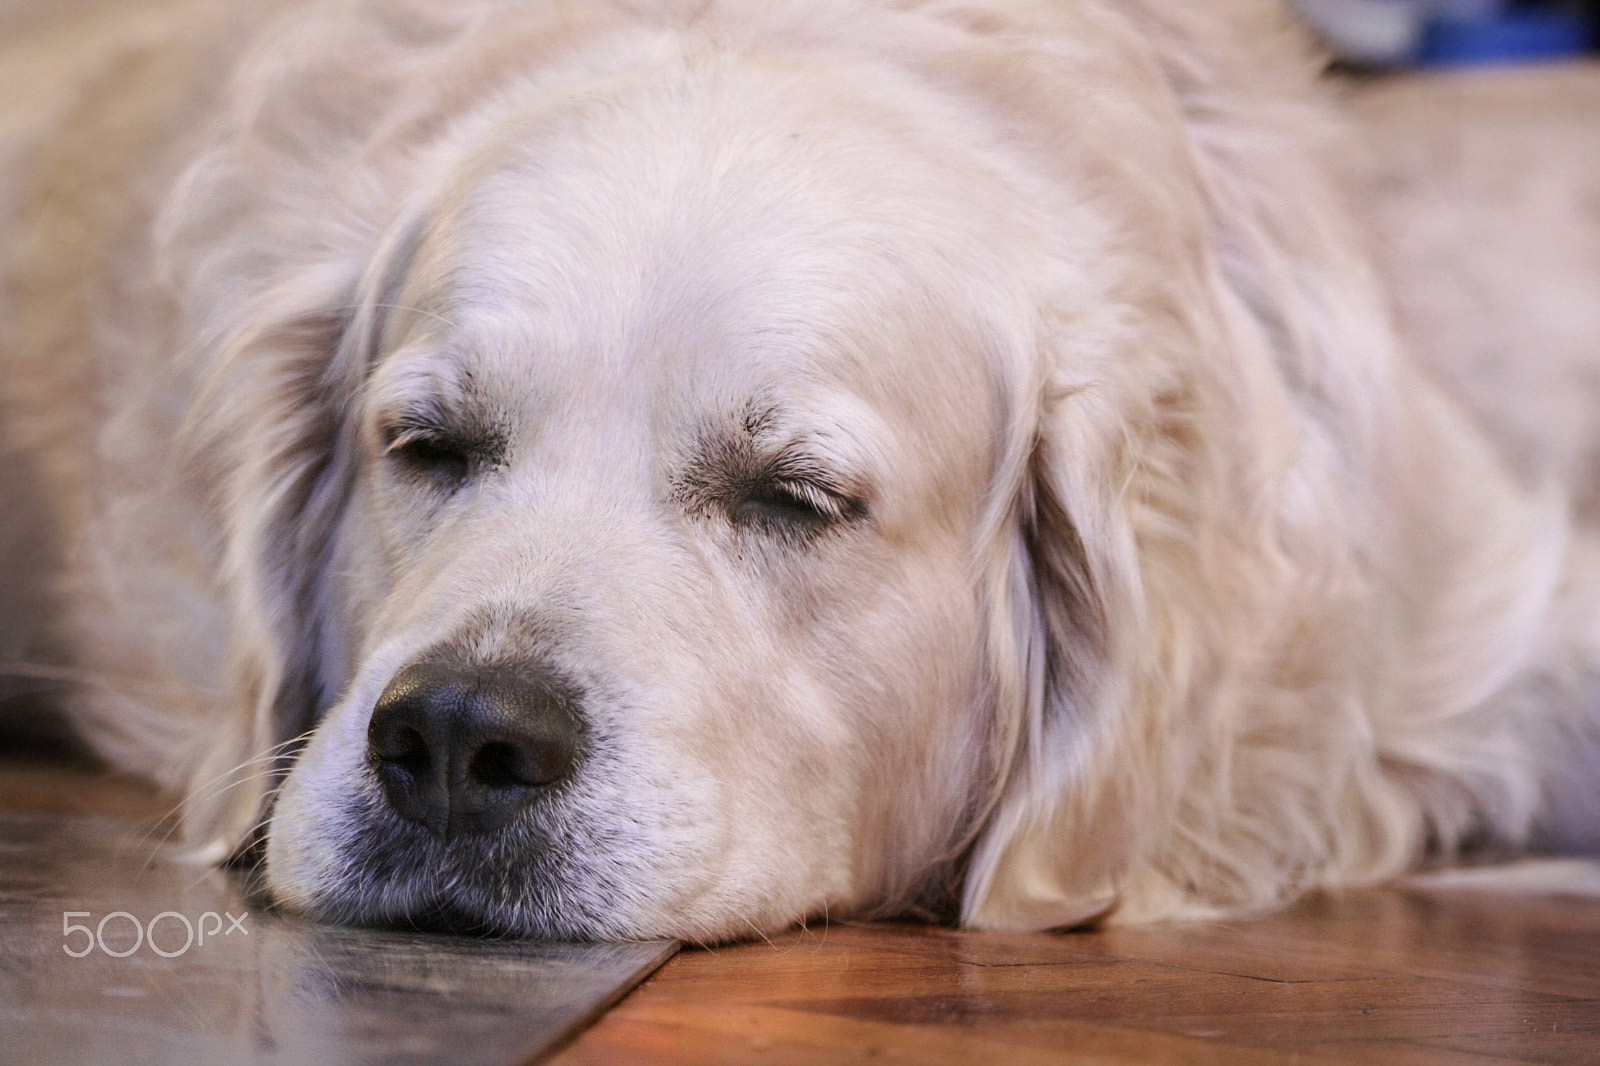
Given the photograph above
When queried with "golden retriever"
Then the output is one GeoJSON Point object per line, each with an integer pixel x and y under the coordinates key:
{"type": "Point", "coordinates": [640, 468]}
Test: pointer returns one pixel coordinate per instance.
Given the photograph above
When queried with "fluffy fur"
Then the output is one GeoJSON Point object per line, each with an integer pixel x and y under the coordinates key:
{"type": "Point", "coordinates": [1122, 562]}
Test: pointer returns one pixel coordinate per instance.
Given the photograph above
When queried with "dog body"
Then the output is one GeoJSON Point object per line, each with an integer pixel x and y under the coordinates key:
{"type": "Point", "coordinates": [689, 468]}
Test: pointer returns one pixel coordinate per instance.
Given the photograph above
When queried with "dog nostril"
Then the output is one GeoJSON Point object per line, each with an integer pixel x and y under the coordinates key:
{"type": "Point", "coordinates": [463, 749]}
{"type": "Point", "coordinates": [399, 744]}
{"type": "Point", "coordinates": [495, 766]}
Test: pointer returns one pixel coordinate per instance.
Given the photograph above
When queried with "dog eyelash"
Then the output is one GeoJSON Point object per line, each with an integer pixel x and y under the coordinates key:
{"type": "Point", "coordinates": [794, 502]}
{"type": "Point", "coordinates": [440, 455]}
{"type": "Point", "coordinates": [436, 456]}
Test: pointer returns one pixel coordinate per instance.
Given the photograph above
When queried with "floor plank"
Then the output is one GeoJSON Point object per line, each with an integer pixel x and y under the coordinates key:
{"type": "Point", "coordinates": [1376, 976]}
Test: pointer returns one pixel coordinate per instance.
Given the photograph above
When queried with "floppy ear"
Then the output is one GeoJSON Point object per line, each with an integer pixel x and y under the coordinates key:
{"type": "Point", "coordinates": [266, 240]}
{"type": "Point", "coordinates": [272, 425]}
{"type": "Point", "coordinates": [1133, 598]}
{"type": "Point", "coordinates": [1179, 591]}
{"type": "Point", "coordinates": [267, 428]}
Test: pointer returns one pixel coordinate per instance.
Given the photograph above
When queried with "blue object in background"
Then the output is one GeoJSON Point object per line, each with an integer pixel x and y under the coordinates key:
{"type": "Point", "coordinates": [1512, 35]}
{"type": "Point", "coordinates": [1400, 33]}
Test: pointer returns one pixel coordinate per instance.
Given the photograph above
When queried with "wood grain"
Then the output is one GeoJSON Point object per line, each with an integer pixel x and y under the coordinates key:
{"type": "Point", "coordinates": [1376, 976]}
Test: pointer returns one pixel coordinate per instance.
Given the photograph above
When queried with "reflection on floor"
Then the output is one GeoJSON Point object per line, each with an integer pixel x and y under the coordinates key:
{"type": "Point", "coordinates": [112, 949]}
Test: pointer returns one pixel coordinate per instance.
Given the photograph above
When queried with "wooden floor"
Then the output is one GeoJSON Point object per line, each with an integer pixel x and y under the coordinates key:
{"type": "Point", "coordinates": [1381, 976]}
{"type": "Point", "coordinates": [1366, 977]}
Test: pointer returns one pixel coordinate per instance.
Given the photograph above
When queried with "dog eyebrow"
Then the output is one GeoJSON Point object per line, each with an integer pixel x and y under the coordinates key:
{"type": "Point", "coordinates": [807, 456]}
{"type": "Point", "coordinates": [431, 395]}
{"type": "Point", "coordinates": [436, 421]}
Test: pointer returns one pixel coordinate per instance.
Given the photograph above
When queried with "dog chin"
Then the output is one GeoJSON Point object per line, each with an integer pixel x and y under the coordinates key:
{"type": "Point", "coordinates": [361, 866]}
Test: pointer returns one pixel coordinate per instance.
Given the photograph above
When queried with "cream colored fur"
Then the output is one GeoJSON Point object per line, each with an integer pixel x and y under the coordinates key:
{"type": "Point", "coordinates": [1167, 580]}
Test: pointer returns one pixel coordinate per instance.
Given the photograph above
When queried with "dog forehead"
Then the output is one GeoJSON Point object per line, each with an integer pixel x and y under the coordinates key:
{"type": "Point", "coordinates": [709, 242]}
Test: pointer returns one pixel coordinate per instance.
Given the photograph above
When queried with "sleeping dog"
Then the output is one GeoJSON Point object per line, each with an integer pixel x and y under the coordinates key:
{"type": "Point", "coordinates": [634, 468]}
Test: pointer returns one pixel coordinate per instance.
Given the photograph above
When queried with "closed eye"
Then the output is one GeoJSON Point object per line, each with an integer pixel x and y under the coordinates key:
{"type": "Point", "coordinates": [435, 456]}
{"type": "Point", "coordinates": [442, 456]}
{"type": "Point", "coordinates": [793, 491]}
{"type": "Point", "coordinates": [787, 504]}
{"type": "Point", "coordinates": [790, 501]}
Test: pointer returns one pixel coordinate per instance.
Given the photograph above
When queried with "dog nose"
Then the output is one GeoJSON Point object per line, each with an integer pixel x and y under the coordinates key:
{"type": "Point", "coordinates": [461, 749]}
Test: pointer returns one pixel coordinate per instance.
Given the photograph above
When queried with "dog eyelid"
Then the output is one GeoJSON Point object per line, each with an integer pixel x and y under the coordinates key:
{"type": "Point", "coordinates": [426, 447]}
{"type": "Point", "coordinates": [800, 493]}
{"type": "Point", "coordinates": [404, 435]}
{"type": "Point", "coordinates": [795, 492]}
{"type": "Point", "coordinates": [435, 457]}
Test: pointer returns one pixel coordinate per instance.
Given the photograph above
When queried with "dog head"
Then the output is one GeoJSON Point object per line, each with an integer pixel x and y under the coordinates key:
{"type": "Point", "coordinates": [735, 471]}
